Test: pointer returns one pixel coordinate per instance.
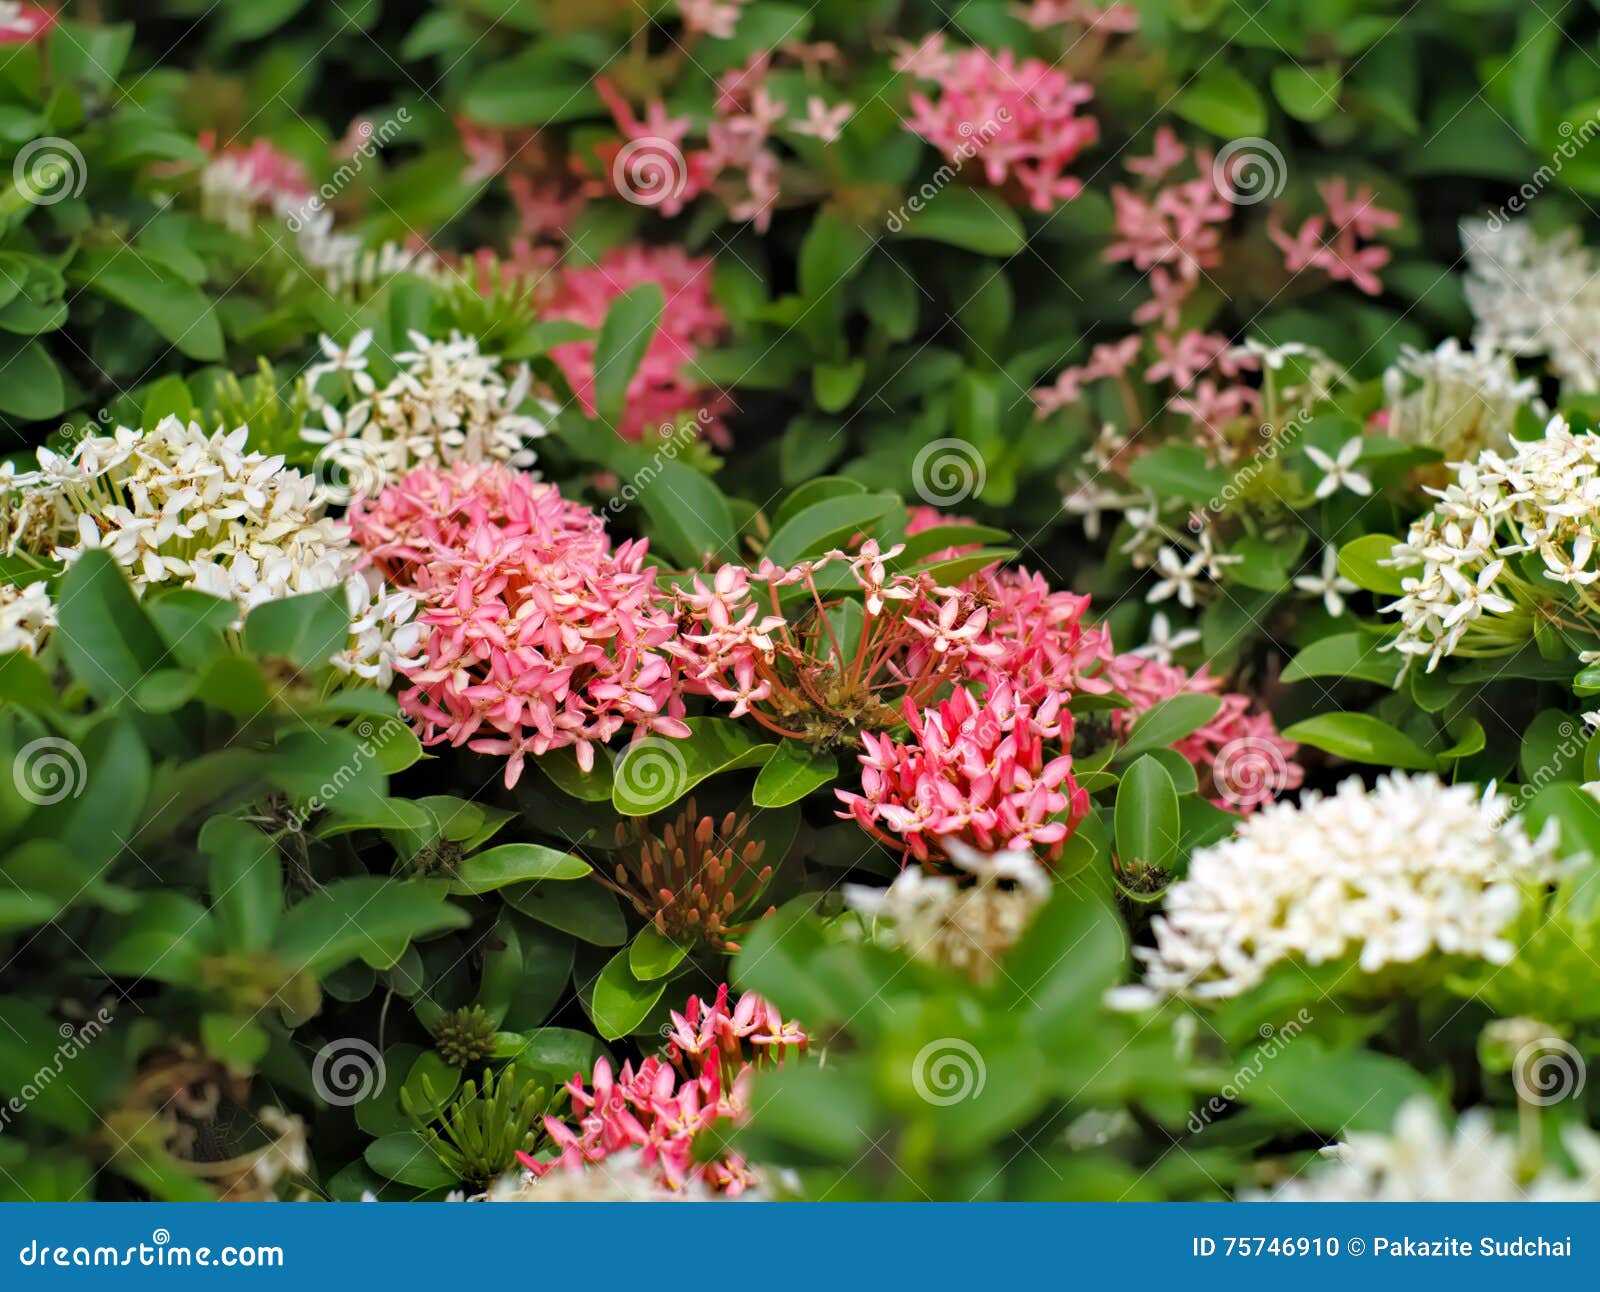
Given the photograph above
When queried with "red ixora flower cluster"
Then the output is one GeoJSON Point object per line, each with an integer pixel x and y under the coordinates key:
{"type": "Point", "coordinates": [975, 772]}
{"type": "Point", "coordinates": [659, 394]}
{"type": "Point", "coordinates": [21, 23]}
{"type": "Point", "coordinates": [1018, 118]}
{"type": "Point", "coordinates": [659, 1107]}
{"type": "Point", "coordinates": [1339, 243]}
{"type": "Point", "coordinates": [539, 634]}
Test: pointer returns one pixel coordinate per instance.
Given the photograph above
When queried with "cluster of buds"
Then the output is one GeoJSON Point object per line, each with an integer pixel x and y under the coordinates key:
{"type": "Point", "coordinates": [657, 1109]}
{"type": "Point", "coordinates": [804, 668]}
{"type": "Point", "coordinates": [697, 881]}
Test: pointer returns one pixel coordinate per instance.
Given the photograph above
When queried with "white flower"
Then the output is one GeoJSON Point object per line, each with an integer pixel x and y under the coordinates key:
{"type": "Point", "coordinates": [1535, 296]}
{"type": "Point", "coordinates": [966, 927]}
{"type": "Point", "coordinates": [1330, 585]}
{"type": "Point", "coordinates": [1181, 578]}
{"type": "Point", "coordinates": [1161, 642]}
{"type": "Point", "coordinates": [1457, 401]}
{"type": "Point", "coordinates": [1542, 497]}
{"type": "Point", "coordinates": [1424, 1160]}
{"type": "Point", "coordinates": [1408, 869]}
{"type": "Point", "coordinates": [1337, 472]}
{"type": "Point", "coordinates": [350, 360]}
{"type": "Point", "coordinates": [449, 402]}
{"type": "Point", "coordinates": [178, 507]}
{"type": "Point", "coordinates": [26, 615]}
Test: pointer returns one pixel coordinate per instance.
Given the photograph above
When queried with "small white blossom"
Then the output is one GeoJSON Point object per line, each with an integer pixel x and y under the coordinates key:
{"type": "Point", "coordinates": [1161, 642]}
{"type": "Point", "coordinates": [1329, 584]}
{"type": "Point", "coordinates": [1338, 472]}
{"type": "Point", "coordinates": [1457, 401]}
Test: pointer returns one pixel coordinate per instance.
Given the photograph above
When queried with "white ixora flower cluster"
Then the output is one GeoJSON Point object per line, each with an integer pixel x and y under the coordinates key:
{"type": "Point", "coordinates": [1424, 1160]}
{"type": "Point", "coordinates": [962, 926]}
{"type": "Point", "coordinates": [1535, 296]}
{"type": "Point", "coordinates": [1408, 869]}
{"type": "Point", "coordinates": [1458, 401]}
{"type": "Point", "coordinates": [450, 402]}
{"type": "Point", "coordinates": [177, 506]}
{"type": "Point", "coordinates": [1471, 598]}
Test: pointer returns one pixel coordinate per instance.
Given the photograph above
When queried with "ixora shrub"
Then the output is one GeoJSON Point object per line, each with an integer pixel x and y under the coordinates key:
{"type": "Point", "coordinates": [740, 602]}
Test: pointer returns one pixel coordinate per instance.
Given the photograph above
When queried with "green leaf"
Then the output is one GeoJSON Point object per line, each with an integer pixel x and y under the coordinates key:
{"type": "Point", "coordinates": [164, 939]}
{"type": "Point", "coordinates": [630, 325]}
{"type": "Point", "coordinates": [1222, 101]}
{"type": "Point", "coordinates": [515, 863]}
{"type": "Point", "coordinates": [690, 518]}
{"type": "Point", "coordinates": [306, 630]}
{"type": "Point", "coordinates": [966, 218]}
{"type": "Point", "coordinates": [1147, 824]}
{"type": "Point", "coordinates": [621, 1002]}
{"type": "Point", "coordinates": [1354, 655]}
{"type": "Point", "coordinates": [1334, 1091]}
{"type": "Point", "coordinates": [406, 1158]}
{"type": "Point", "coordinates": [793, 771]}
{"type": "Point", "coordinates": [1363, 739]}
{"type": "Point", "coordinates": [30, 382]}
{"type": "Point", "coordinates": [826, 524]}
{"type": "Point", "coordinates": [653, 955]}
{"type": "Point", "coordinates": [1179, 471]}
{"type": "Point", "coordinates": [533, 89]}
{"type": "Point", "coordinates": [1164, 724]}
{"type": "Point", "coordinates": [586, 911]}
{"type": "Point", "coordinates": [656, 772]}
{"type": "Point", "coordinates": [108, 641]}
{"type": "Point", "coordinates": [1306, 93]}
{"type": "Point", "coordinates": [180, 312]}
{"type": "Point", "coordinates": [246, 882]}
{"type": "Point", "coordinates": [362, 917]}
{"type": "Point", "coordinates": [1358, 562]}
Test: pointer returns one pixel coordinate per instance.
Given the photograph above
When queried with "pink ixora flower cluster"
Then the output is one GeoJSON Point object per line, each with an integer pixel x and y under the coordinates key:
{"type": "Point", "coordinates": [1339, 242]}
{"type": "Point", "coordinates": [660, 393]}
{"type": "Point", "coordinates": [22, 23]}
{"type": "Point", "coordinates": [972, 771]}
{"type": "Point", "coordinates": [1241, 759]}
{"type": "Point", "coordinates": [655, 165]}
{"type": "Point", "coordinates": [1171, 229]}
{"type": "Point", "coordinates": [784, 666]}
{"type": "Point", "coordinates": [659, 1107]}
{"type": "Point", "coordinates": [539, 636]}
{"type": "Point", "coordinates": [1018, 118]}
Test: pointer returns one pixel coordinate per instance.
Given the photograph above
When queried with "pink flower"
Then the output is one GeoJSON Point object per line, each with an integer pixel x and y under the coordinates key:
{"type": "Point", "coordinates": [540, 636]}
{"type": "Point", "coordinates": [659, 1107]}
{"type": "Point", "coordinates": [1354, 219]}
{"type": "Point", "coordinates": [659, 394]}
{"type": "Point", "coordinates": [976, 773]}
{"type": "Point", "coordinates": [22, 23]}
{"type": "Point", "coordinates": [1020, 120]}
{"type": "Point", "coordinates": [1112, 19]}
